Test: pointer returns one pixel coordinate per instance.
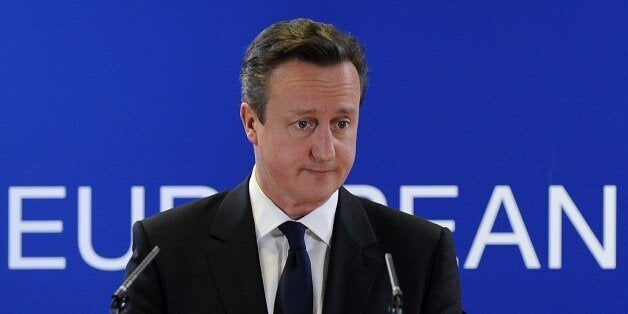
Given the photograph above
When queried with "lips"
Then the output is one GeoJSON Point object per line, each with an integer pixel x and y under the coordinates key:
{"type": "Point", "coordinates": [320, 170]}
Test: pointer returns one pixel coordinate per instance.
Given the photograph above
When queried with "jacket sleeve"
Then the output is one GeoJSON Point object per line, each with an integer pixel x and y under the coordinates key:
{"type": "Point", "coordinates": [145, 294]}
{"type": "Point", "coordinates": [444, 291]}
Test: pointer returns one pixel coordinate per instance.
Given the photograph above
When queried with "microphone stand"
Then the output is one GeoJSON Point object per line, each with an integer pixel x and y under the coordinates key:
{"type": "Point", "coordinates": [120, 299]}
{"type": "Point", "coordinates": [396, 302]}
{"type": "Point", "coordinates": [396, 305]}
{"type": "Point", "coordinates": [118, 304]}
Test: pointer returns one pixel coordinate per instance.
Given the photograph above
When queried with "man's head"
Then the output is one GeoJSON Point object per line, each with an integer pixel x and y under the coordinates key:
{"type": "Point", "coordinates": [304, 135]}
{"type": "Point", "coordinates": [300, 39]}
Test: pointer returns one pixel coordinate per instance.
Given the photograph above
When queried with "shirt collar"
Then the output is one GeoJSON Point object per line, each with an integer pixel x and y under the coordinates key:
{"type": "Point", "coordinates": [268, 216]}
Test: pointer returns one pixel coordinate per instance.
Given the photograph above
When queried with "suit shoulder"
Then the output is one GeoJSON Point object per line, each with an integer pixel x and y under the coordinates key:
{"type": "Point", "coordinates": [389, 221]}
{"type": "Point", "coordinates": [184, 216]}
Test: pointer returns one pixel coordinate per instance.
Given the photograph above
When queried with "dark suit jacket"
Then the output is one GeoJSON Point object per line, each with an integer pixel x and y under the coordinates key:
{"type": "Point", "coordinates": [209, 261]}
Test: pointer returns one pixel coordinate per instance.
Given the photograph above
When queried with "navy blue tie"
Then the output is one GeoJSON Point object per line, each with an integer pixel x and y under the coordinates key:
{"type": "Point", "coordinates": [294, 294]}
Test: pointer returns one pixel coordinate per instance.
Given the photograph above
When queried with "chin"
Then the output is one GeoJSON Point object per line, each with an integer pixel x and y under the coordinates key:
{"type": "Point", "coordinates": [320, 196]}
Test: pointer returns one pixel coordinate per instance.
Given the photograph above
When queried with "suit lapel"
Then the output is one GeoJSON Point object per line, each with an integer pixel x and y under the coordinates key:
{"type": "Point", "coordinates": [354, 260]}
{"type": "Point", "coordinates": [232, 254]}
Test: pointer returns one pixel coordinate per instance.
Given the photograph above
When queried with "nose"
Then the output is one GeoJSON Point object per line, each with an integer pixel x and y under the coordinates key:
{"type": "Point", "coordinates": [323, 146]}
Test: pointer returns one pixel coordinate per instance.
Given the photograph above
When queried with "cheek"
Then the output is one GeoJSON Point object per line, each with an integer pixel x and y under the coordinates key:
{"type": "Point", "coordinates": [288, 153]}
{"type": "Point", "coordinates": [345, 153]}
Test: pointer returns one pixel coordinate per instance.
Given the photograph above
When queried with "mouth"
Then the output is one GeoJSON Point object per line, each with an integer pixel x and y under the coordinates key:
{"type": "Point", "coordinates": [319, 171]}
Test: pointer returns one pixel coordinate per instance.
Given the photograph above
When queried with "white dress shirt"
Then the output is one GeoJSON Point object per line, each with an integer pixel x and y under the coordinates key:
{"type": "Point", "coordinates": [273, 246]}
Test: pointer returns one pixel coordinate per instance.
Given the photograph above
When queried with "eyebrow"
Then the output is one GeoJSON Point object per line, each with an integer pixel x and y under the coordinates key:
{"type": "Point", "coordinates": [311, 111]}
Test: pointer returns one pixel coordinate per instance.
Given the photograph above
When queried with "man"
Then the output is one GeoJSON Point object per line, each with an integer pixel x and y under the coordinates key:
{"type": "Point", "coordinates": [290, 238]}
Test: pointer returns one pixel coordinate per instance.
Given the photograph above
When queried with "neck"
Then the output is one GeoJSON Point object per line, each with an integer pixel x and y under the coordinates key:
{"type": "Point", "coordinates": [292, 207]}
{"type": "Point", "coordinates": [297, 212]}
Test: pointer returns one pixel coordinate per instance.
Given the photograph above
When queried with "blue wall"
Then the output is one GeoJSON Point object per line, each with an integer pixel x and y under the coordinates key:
{"type": "Point", "coordinates": [515, 109]}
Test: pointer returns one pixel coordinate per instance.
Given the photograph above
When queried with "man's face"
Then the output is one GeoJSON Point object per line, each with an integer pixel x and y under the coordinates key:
{"type": "Point", "coordinates": [306, 146]}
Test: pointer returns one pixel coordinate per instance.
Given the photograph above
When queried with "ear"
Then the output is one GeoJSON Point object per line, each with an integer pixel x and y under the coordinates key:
{"type": "Point", "coordinates": [249, 121]}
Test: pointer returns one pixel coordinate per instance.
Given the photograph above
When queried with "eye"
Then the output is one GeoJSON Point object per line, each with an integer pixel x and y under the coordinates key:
{"type": "Point", "coordinates": [342, 124]}
{"type": "Point", "coordinates": [303, 124]}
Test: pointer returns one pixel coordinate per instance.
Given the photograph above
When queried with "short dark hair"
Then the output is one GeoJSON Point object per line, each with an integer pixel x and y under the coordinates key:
{"type": "Point", "coordinates": [302, 39]}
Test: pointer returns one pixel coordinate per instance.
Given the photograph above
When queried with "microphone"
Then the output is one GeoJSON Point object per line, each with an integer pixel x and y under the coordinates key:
{"type": "Point", "coordinates": [396, 303]}
{"type": "Point", "coordinates": [120, 299]}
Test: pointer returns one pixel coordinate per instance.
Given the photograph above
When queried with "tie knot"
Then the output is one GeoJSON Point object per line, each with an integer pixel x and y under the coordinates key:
{"type": "Point", "coordinates": [294, 231]}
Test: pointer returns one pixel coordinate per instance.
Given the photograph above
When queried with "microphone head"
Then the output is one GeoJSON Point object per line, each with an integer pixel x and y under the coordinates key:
{"type": "Point", "coordinates": [392, 274]}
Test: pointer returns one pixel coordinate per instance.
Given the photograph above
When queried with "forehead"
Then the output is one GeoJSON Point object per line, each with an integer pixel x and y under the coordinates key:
{"type": "Point", "coordinates": [298, 82]}
{"type": "Point", "coordinates": [296, 67]}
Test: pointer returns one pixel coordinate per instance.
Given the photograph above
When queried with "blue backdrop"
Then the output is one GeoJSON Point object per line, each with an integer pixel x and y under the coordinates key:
{"type": "Point", "coordinates": [505, 121]}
